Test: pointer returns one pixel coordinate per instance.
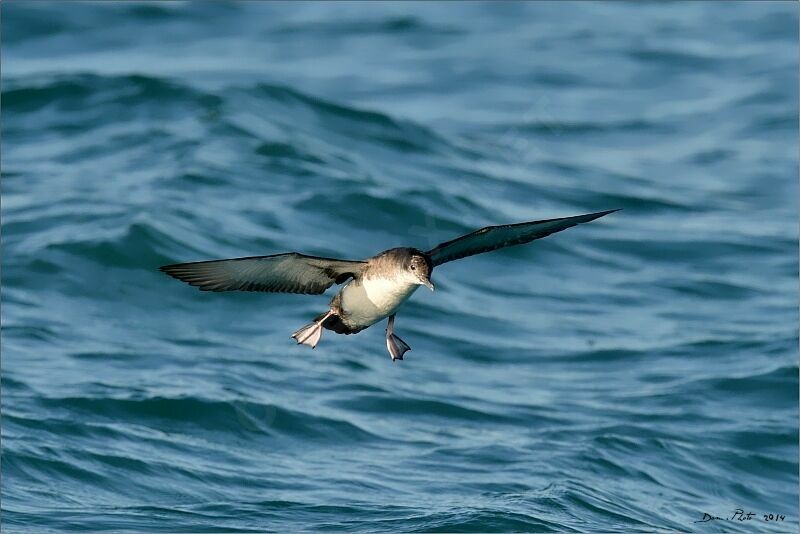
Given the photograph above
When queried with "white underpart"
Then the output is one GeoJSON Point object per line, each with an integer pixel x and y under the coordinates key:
{"type": "Point", "coordinates": [374, 299]}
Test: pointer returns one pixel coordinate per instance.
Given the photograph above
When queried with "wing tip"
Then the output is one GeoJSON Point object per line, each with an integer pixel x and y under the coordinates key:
{"type": "Point", "coordinates": [599, 214]}
{"type": "Point", "coordinates": [172, 267]}
{"type": "Point", "coordinates": [169, 269]}
{"type": "Point", "coordinates": [175, 270]}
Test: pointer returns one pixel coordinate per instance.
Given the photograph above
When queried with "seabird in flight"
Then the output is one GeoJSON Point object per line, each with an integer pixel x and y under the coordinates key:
{"type": "Point", "coordinates": [376, 287]}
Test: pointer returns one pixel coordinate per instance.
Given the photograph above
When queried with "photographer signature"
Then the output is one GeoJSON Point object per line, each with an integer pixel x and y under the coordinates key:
{"type": "Point", "coordinates": [740, 515]}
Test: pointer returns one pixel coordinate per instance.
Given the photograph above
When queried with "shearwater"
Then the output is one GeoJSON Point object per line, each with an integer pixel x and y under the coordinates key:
{"type": "Point", "coordinates": [375, 288]}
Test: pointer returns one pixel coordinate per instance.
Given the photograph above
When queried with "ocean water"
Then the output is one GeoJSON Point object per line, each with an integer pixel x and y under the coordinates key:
{"type": "Point", "coordinates": [632, 374]}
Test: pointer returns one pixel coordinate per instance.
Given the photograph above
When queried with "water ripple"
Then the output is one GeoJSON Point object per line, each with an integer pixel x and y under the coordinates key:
{"type": "Point", "coordinates": [627, 375]}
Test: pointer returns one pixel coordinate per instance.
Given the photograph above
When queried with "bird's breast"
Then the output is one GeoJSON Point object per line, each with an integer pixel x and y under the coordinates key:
{"type": "Point", "coordinates": [369, 300]}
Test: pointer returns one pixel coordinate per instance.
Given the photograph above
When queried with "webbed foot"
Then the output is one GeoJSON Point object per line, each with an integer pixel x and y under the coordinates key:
{"type": "Point", "coordinates": [310, 334]}
{"type": "Point", "coordinates": [397, 347]}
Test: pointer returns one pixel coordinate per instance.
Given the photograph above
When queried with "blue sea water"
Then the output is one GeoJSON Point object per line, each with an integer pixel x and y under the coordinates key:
{"type": "Point", "coordinates": [632, 374]}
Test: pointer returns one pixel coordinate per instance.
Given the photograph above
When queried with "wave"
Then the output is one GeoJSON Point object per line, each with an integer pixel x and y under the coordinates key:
{"type": "Point", "coordinates": [380, 129]}
{"type": "Point", "coordinates": [394, 406]}
{"type": "Point", "coordinates": [186, 413]}
{"type": "Point", "coordinates": [571, 127]}
{"type": "Point", "coordinates": [79, 92]}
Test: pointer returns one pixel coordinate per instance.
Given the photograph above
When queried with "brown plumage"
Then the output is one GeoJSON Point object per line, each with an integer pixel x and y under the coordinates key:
{"type": "Point", "coordinates": [377, 286]}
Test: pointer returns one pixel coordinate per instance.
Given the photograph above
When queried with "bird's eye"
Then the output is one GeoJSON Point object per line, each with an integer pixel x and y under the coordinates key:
{"type": "Point", "coordinates": [413, 268]}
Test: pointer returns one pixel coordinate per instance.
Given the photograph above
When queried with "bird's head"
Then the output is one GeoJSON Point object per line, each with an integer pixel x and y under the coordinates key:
{"type": "Point", "coordinates": [418, 269]}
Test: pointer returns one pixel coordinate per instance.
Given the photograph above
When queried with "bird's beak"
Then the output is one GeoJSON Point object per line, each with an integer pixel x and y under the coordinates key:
{"type": "Point", "coordinates": [428, 284]}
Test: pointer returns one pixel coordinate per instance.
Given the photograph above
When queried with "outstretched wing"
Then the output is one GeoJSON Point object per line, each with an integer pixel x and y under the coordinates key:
{"type": "Point", "coordinates": [494, 237]}
{"type": "Point", "coordinates": [280, 273]}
